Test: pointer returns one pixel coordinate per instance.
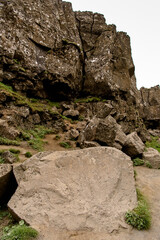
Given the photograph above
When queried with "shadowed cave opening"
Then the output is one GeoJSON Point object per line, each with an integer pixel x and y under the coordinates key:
{"type": "Point", "coordinates": [58, 91]}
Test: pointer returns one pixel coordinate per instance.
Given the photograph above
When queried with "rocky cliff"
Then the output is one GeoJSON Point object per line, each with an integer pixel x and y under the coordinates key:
{"type": "Point", "coordinates": [47, 50]}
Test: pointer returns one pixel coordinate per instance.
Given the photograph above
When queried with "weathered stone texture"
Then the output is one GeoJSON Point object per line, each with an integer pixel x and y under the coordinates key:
{"type": "Point", "coordinates": [40, 47]}
{"type": "Point", "coordinates": [150, 106]}
{"type": "Point", "coordinates": [89, 189]}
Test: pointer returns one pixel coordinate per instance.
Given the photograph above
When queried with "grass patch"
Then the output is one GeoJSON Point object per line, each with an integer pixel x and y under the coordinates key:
{"type": "Point", "coordinates": [34, 136]}
{"type": "Point", "coordinates": [139, 217]}
{"type": "Point", "coordinates": [57, 137]}
{"type": "Point", "coordinates": [138, 162]}
{"type": "Point", "coordinates": [148, 164]}
{"type": "Point", "coordinates": [15, 151]}
{"type": "Point", "coordinates": [87, 100]}
{"type": "Point", "coordinates": [154, 143]}
{"type": "Point", "coordinates": [65, 145]}
{"type": "Point", "coordinates": [35, 105]}
{"type": "Point", "coordinates": [19, 232]}
{"type": "Point", "coordinates": [6, 141]}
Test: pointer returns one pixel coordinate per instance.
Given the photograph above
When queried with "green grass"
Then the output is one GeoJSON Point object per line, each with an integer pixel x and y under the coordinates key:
{"type": "Point", "coordinates": [148, 164]}
{"type": "Point", "coordinates": [138, 162]}
{"type": "Point", "coordinates": [34, 136]}
{"type": "Point", "coordinates": [87, 100]}
{"type": "Point", "coordinates": [19, 232]}
{"type": "Point", "coordinates": [139, 217]}
{"type": "Point", "coordinates": [15, 151]}
{"type": "Point", "coordinates": [6, 141]}
{"type": "Point", "coordinates": [65, 145]}
{"type": "Point", "coordinates": [153, 144]}
{"type": "Point", "coordinates": [36, 105]}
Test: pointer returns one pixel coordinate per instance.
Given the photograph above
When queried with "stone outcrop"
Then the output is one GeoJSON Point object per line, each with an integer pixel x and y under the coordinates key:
{"type": "Point", "coordinates": [40, 48]}
{"type": "Point", "coordinates": [150, 106]}
{"type": "Point", "coordinates": [133, 145]}
{"type": "Point", "coordinates": [83, 190]}
{"type": "Point", "coordinates": [152, 156]}
{"type": "Point", "coordinates": [109, 68]}
{"type": "Point", "coordinates": [104, 131]}
{"type": "Point", "coordinates": [47, 50]}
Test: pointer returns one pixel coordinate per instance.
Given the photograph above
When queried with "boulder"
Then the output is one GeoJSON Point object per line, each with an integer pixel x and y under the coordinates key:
{"type": "Point", "coordinates": [72, 191]}
{"type": "Point", "coordinates": [104, 131]}
{"type": "Point", "coordinates": [8, 157]}
{"type": "Point", "coordinates": [73, 114]}
{"type": "Point", "coordinates": [7, 131]}
{"type": "Point", "coordinates": [133, 145]}
{"type": "Point", "coordinates": [152, 156]}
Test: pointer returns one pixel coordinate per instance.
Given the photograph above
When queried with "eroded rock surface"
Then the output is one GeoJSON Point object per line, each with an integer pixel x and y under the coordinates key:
{"type": "Point", "coordinates": [84, 190]}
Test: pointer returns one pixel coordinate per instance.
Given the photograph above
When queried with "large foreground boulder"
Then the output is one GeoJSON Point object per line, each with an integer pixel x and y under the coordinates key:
{"type": "Point", "coordinates": [72, 191]}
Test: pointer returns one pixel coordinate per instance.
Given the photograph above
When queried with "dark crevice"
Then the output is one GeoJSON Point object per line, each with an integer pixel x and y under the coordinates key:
{"type": "Point", "coordinates": [10, 186]}
{"type": "Point", "coordinates": [84, 55]}
{"type": "Point", "coordinates": [44, 48]}
{"type": "Point", "coordinates": [141, 92]}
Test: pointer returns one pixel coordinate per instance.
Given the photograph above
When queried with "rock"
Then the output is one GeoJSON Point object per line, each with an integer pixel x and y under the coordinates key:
{"type": "Point", "coordinates": [154, 132]}
{"type": "Point", "coordinates": [7, 183]}
{"type": "Point", "coordinates": [104, 131]}
{"type": "Point", "coordinates": [71, 114]}
{"type": "Point", "coordinates": [74, 134]}
{"type": "Point", "coordinates": [44, 54]}
{"type": "Point", "coordinates": [108, 66]}
{"type": "Point", "coordinates": [87, 144]}
{"type": "Point", "coordinates": [72, 191]}
{"type": "Point", "coordinates": [150, 106]}
{"type": "Point", "coordinates": [8, 157]}
{"type": "Point", "coordinates": [109, 132]}
{"type": "Point", "coordinates": [133, 145]}
{"type": "Point", "coordinates": [7, 131]}
{"type": "Point", "coordinates": [152, 156]}
{"type": "Point", "coordinates": [102, 110]}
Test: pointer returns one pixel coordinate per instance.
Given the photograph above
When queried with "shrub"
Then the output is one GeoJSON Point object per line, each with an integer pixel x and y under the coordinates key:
{"type": "Point", "coordinates": [19, 232]}
{"type": "Point", "coordinates": [138, 162]}
{"type": "Point", "coordinates": [28, 154]}
{"type": "Point", "coordinates": [140, 216]}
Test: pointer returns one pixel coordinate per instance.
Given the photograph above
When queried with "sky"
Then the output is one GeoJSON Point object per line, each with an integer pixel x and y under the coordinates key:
{"type": "Point", "coordinates": [140, 19]}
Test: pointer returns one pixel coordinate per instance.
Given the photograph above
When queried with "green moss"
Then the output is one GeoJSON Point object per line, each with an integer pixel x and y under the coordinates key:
{"type": "Point", "coordinates": [34, 104]}
{"type": "Point", "coordinates": [139, 217]}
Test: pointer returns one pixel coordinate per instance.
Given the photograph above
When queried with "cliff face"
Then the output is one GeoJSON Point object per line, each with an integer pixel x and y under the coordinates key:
{"type": "Point", "coordinates": [47, 50]}
{"type": "Point", "coordinates": [150, 106]}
